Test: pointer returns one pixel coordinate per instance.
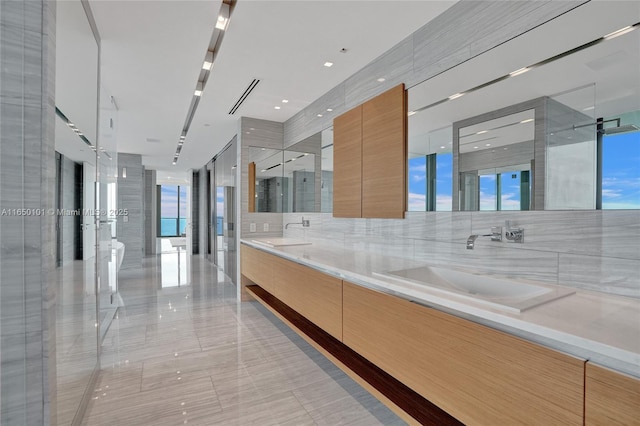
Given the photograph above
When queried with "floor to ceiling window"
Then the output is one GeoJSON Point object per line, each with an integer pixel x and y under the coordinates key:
{"type": "Point", "coordinates": [172, 210]}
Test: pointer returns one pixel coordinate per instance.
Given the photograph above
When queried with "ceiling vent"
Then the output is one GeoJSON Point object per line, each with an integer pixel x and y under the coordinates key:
{"type": "Point", "coordinates": [244, 96]}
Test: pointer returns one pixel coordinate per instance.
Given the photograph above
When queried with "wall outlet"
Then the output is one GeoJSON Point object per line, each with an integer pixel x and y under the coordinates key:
{"type": "Point", "coordinates": [265, 227]}
{"type": "Point", "coordinates": [252, 227]}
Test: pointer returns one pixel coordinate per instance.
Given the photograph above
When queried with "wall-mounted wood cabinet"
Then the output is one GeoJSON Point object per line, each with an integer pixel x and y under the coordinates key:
{"type": "Point", "coordinates": [478, 375]}
{"type": "Point", "coordinates": [370, 157]}
{"type": "Point", "coordinates": [611, 398]}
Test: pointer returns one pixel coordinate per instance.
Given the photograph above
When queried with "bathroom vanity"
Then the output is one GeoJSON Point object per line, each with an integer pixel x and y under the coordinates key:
{"type": "Point", "coordinates": [569, 360]}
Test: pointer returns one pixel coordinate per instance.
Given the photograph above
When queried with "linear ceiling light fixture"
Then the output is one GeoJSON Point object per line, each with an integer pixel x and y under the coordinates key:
{"type": "Point", "coordinates": [215, 42]}
{"type": "Point", "coordinates": [523, 70]}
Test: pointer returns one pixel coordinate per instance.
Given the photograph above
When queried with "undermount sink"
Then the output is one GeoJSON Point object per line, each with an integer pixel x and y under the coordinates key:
{"type": "Point", "coordinates": [280, 242]}
{"type": "Point", "coordinates": [499, 293]}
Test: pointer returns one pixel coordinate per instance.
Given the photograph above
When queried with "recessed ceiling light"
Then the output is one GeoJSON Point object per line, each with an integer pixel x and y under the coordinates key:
{"type": "Point", "coordinates": [329, 109]}
{"type": "Point", "coordinates": [488, 144]}
{"type": "Point", "coordinates": [528, 120]}
{"type": "Point", "coordinates": [411, 113]}
{"type": "Point", "coordinates": [198, 91]}
{"type": "Point", "coordinates": [475, 147]}
{"type": "Point", "coordinates": [285, 101]}
{"type": "Point", "coordinates": [251, 128]}
{"type": "Point", "coordinates": [381, 79]}
{"type": "Point", "coordinates": [589, 108]}
{"type": "Point", "coordinates": [264, 170]}
{"type": "Point", "coordinates": [174, 163]}
{"type": "Point", "coordinates": [456, 96]}
{"type": "Point", "coordinates": [264, 149]}
{"type": "Point", "coordinates": [208, 61]}
{"type": "Point", "coordinates": [618, 33]}
{"type": "Point", "coordinates": [328, 64]}
{"type": "Point", "coordinates": [276, 107]}
{"type": "Point", "coordinates": [519, 71]}
{"type": "Point", "coordinates": [442, 147]}
{"type": "Point", "coordinates": [319, 115]}
{"type": "Point", "coordinates": [306, 153]}
{"type": "Point", "coordinates": [223, 18]}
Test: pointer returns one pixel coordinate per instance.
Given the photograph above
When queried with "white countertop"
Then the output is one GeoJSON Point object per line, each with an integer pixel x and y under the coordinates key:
{"type": "Point", "coordinates": [602, 328]}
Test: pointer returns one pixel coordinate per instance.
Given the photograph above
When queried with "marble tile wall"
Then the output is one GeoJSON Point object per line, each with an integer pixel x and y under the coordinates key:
{"type": "Point", "coordinates": [130, 228]}
{"type": "Point", "coordinates": [150, 212]}
{"type": "Point", "coordinates": [27, 178]}
{"type": "Point", "coordinates": [591, 250]}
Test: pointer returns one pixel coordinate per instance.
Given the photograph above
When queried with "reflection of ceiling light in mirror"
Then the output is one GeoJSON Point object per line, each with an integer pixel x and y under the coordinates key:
{"type": "Point", "coordinates": [518, 72]}
{"type": "Point", "coordinates": [328, 64]}
{"type": "Point", "coordinates": [276, 107]}
{"type": "Point", "coordinates": [528, 120]}
{"type": "Point", "coordinates": [618, 33]}
{"type": "Point", "coordinates": [456, 96]}
{"type": "Point", "coordinates": [284, 101]}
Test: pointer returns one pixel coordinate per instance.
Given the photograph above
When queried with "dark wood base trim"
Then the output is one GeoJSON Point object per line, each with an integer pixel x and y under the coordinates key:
{"type": "Point", "coordinates": [416, 406]}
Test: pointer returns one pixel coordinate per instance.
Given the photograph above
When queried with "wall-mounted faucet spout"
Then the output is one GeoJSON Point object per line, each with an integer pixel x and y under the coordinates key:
{"type": "Point", "coordinates": [304, 223]}
{"type": "Point", "coordinates": [496, 235]}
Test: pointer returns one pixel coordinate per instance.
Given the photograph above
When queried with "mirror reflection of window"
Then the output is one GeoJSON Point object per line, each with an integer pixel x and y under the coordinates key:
{"type": "Point", "coordinates": [621, 163]}
{"type": "Point", "coordinates": [575, 168]}
{"type": "Point", "coordinates": [430, 165]}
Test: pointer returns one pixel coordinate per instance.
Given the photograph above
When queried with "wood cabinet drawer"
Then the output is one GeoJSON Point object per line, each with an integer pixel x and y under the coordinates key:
{"type": "Point", "coordinates": [257, 266]}
{"type": "Point", "coordinates": [477, 374]}
{"type": "Point", "coordinates": [611, 398]}
{"type": "Point", "coordinates": [315, 295]}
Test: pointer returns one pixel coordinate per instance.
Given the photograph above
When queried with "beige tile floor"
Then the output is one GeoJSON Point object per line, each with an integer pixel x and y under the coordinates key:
{"type": "Point", "coordinates": [191, 354]}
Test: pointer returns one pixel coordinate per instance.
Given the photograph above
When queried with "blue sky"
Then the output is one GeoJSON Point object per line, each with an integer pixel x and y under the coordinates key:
{"type": "Point", "coordinates": [169, 201]}
{"type": "Point", "coordinates": [621, 171]}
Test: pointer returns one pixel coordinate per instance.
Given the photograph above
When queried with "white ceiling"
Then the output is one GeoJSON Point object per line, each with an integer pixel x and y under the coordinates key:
{"type": "Point", "coordinates": [152, 53]}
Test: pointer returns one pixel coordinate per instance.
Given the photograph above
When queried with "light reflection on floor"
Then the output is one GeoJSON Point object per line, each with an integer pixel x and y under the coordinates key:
{"type": "Point", "coordinates": [182, 350]}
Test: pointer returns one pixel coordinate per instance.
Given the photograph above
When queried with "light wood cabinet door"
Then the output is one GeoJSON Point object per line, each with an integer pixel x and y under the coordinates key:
{"type": "Point", "coordinates": [384, 155]}
{"type": "Point", "coordinates": [611, 398]}
{"type": "Point", "coordinates": [479, 375]}
{"type": "Point", "coordinates": [347, 164]}
{"type": "Point", "coordinates": [314, 295]}
{"type": "Point", "coordinates": [257, 266]}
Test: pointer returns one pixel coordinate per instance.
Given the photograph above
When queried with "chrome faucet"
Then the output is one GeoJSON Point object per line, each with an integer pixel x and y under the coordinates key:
{"type": "Point", "coordinates": [304, 223]}
{"type": "Point", "coordinates": [496, 235]}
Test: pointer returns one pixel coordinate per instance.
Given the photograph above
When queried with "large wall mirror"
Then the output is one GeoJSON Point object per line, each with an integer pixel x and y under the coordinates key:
{"type": "Point", "coordinates": [294, 180]}
{"type": "Point", "coordinates": [77, 159]}
{"type": "Point", "coordinates": [532, 126]}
